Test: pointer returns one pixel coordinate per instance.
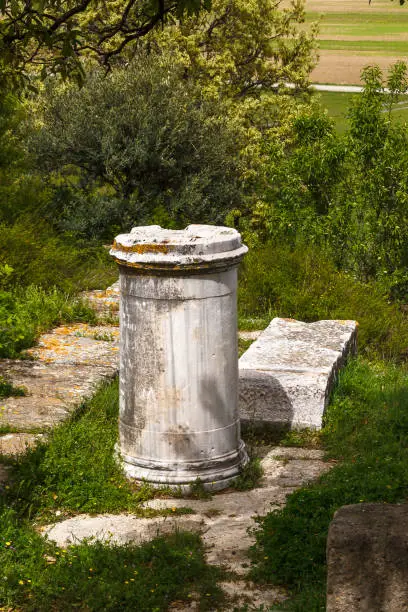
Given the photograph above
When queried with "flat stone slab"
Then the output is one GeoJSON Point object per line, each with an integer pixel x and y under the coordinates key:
{"type": "Point", "coordinates": [367, 559]}
{"type": "Point", "coordinates": [54, 390]}
{"type": "Point", "coordinates": [223, 520]}
{"type": "Point", "coordinates": [287, 374]}
{"type": "Point", "coordinates": [17, 443]}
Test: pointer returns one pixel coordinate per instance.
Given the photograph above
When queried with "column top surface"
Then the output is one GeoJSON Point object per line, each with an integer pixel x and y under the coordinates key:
{"type": "Point", "coordinates": [197, 247]}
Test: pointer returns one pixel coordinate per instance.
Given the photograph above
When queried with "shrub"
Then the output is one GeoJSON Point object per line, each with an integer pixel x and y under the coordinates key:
{"type": "Point", "coordinates": [139, 144]}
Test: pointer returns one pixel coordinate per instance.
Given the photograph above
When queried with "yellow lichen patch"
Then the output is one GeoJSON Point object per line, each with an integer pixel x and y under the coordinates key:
{"type": "Point", "coordinates": [151, 247]}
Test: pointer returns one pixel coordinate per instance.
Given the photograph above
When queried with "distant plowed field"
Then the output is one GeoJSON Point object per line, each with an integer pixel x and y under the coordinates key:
{"type": "Point", "coordinates": [354, 34]}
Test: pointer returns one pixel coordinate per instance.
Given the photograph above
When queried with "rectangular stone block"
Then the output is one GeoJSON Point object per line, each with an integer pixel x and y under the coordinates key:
{"type": "Point", "coordinates": [286, 376]}
{"type": "Point", "coordinates": [367, 559]}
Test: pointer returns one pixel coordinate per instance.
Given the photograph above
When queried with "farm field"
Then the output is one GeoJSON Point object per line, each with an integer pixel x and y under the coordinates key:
{"type": "Point", "coordinates": [337, 105]}
{"type": "Point", "coordinates": [360, 35]}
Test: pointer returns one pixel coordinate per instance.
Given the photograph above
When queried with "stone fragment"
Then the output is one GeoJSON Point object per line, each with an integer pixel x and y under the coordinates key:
{"type": "Point", "coordinates": [54, 390]}
{"type": "Point", "coordinates": [104, 301]}
{"type": "Point", "coordinates": [119, 528]}
{"type": "Point", "coordinates": [286, 376]}
{"type": "Point", "coordinates": [367, 557]}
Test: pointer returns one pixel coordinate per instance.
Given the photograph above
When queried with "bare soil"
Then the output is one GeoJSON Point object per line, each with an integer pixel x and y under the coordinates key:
{"type": "Point", "coordinates": [344, 68]}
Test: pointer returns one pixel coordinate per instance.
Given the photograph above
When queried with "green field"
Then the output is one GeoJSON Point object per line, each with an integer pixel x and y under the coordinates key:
{"type": "Point", "coordinates": [337, 105]}
{"type": "Point", "coordinates": [383, 47]}
{"type": "Point", "coordinates": [360, 35]}
{"type": "Point", "coordinates": [361, 24]}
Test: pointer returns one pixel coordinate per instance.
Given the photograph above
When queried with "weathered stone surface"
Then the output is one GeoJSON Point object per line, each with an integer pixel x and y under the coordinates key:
{"type": "Point", "coordinates": [119, 529]}
{"type": "Point", "coordinates": [286, 376]}
{"type": "Point", "coordinates": [53, 391]}
{"type": "Point", "coordinates": [17, 443]}
{"type": "Point", "coordinates": [105, 301]}
{"type": "Point", "coordinates": [367, 556]}
{"type": "Point", "coordinates": [79, 344]}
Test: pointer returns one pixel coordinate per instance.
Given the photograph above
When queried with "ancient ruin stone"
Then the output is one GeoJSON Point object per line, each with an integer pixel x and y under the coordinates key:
{"type": "Point", "coordinates": [367, 558]}
{"type": "Point", "coordinates": [287, 374]}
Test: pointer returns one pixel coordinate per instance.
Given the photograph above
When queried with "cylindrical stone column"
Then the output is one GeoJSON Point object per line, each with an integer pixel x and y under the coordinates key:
{"type": "Point", "coordinates": [179, 416]}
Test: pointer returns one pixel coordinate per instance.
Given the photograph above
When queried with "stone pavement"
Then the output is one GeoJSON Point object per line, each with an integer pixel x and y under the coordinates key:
{"type": "Point", "coordinates": [65, 368]}
{"type": "Point", "coordinates": [225, 521]}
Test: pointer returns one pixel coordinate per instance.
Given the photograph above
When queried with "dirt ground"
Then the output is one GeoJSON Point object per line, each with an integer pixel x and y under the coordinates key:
{"type": "Point", "coordinates": [352, 6]}
{"type": "Point", "coordinates": [344, 68]}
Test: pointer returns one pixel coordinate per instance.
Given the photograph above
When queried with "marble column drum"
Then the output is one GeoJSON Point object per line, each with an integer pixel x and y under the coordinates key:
{"type": "Point", "coordinates": [179, 416]}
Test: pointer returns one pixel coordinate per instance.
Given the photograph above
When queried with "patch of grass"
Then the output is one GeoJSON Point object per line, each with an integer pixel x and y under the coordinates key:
{"type": "Point", "coordinates": [38, 576]}
{"type": "Point", "coordinates": [198, 491]}
{"type": "Point", "coordinates": [250, 475]}
{"type": "Point", "coordinates": [367, 429]}
{"type": "Point", "coordinates": [26, 313]}
{"type": "Point", "coordinates": [243, 345]}
{"type": "Point", "coordinates": [75, 470]}
{"type": "Point", "coordinates": [383, 23]}
{"type": "Point", "coordinates": [248, 323]}
{"type": "Point", "coordinates": [381, 47]}
{"type": "Point", "coordinates": [304, 438]}
{"type": "Point", "coordinates": [7, 389]}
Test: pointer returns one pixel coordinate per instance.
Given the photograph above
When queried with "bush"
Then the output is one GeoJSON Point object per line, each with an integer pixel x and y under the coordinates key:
{"type": "Point", "coordinates": [138, 145]}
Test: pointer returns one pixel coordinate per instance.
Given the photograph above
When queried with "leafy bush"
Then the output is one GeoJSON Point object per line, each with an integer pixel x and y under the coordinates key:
{"type": "Point", "coordinates": [304, 284]}
{"type": "Point", "coordinates": [139, 144]}
{"type": "Point", "coordinates": [367, 428]}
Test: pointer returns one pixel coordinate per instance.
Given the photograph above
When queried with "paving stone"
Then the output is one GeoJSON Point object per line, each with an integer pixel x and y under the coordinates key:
{"type": "Point", "coordinates": [287, 374]}
{"type": "Point", "coordinates": [119, 529]}
{"type": "Point", "coordinates": [17, 443]}
{"type": "Point", "coordinates": [80, 345]}
{"type": "Point", "coordinates": [54, 391]}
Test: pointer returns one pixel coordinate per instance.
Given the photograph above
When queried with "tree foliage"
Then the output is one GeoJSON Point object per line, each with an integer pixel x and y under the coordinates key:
{"type": "Point", "coordinates": [348, 194]}
{"type": "Point", "coordinates": [54, 34]}
{"type": "Point", "coordinates": [245, 47]}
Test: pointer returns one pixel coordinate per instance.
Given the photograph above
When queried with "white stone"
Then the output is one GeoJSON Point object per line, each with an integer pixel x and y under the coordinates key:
{"type": "Point", "coordinates": [179, 416]}
{"type": "Point", "coordinates": [287, 374]}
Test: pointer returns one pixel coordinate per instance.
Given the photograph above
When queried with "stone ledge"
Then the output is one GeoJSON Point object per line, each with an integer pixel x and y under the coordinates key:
{"type": "Point", "coordinates": [286, 376]}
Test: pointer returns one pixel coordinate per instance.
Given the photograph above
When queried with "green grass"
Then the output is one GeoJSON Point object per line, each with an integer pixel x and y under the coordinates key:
{"type": "Point", "coordinates": [75, 471]}
{"type": "Point", "coordinates": [7, 389]}
{"type": "Point", "coordinates": [38, 576]}
{"type": "Point", "coordinates": [361, 24]}
{"type": "Point", "coordinates": [26, 312]}
{"type": "Point", "coordinates": [381, 47]}
{"type": "Point", "coordinates": [337, 105]}
{"type": "Point", "coordinates": [367, 430]}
